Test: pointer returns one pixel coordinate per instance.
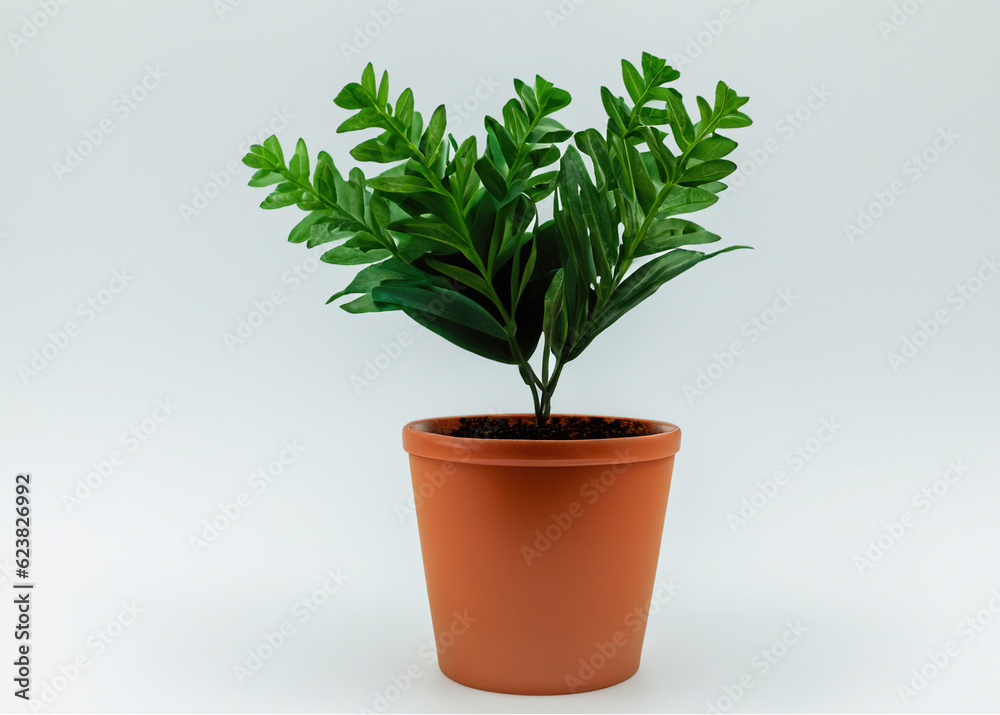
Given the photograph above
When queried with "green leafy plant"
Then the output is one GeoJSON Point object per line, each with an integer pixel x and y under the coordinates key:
{"type": "Point", "coordinates": [453, 236]}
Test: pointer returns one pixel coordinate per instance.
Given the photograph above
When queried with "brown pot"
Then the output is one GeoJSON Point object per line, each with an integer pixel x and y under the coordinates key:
{"type": "Point", "coordinates": [540, 555]}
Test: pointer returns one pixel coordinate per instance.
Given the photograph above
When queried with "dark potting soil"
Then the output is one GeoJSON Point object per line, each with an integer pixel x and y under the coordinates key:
{"type": "Point", "coordinates": [490, 427]}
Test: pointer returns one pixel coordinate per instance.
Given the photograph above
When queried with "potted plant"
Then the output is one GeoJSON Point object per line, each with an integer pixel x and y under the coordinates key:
{"type": "Point", "coordinates": [540, 532]}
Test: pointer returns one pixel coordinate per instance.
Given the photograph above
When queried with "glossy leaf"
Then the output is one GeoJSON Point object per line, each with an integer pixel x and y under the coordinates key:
{"type": "Point", "coordinates": [673, 233]}
{"type": "Point", "coordinates": [708, 171]}
{"type": "Point", "coordinates": [450, 314]}
{"type": "Point", "coordinates": [639, 286]}
{"type": "Point", "coordinates": [713, 147]}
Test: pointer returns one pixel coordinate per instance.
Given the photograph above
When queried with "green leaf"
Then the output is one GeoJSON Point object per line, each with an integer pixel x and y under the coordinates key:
{"type": "Point", "coordinates": [645, 192]}
{"type": "Point", "coordinates": [665, 159]}
{"type": "Point", "coordinates": [652, 66]}
{"type": "Point", "coordinates": [410, 247]}
{"type": "Point", "coordinates": [353, 96]}
{"type": "Point", "coordinates": [298, 165]}
{"type": "Point", "coordinates": [708, 171]}
{"type": "Point", "coordinates": [272, 146]}
{"type": "Point", "coordinates": [639, 286]}
{"type": "Point", "coordinates": [705, 110]}
{"type": "Point", "coordinates": [672, 233]}
{"type": "Point", "coordinates": [550, 98]}
{"type": "Point", "coordinates": [391, 269]}
{"type": "Point", "coordinates": [401, 184]}
{"type": "Point", "coordinates": [735, 121]}
{"type": "Point", "coordinates": [351, 256]}
{"type": "Point", "coordinates": [431, 140]}
{"type": "Point", "coordinates": [713, 147]}
{"type": "Point", "coordinates": [453, 316]}
{"type": "Point", "coordinates": [548, 131]}
{"type": "Point", "coordinates": [404, 107]}
{"type": "Point", "coordinates": [265, 177]}
{"type": "Point", "coordinates": [325, 181]}
{"type": "Point", "coordinates": [368, 80]}
{"type": "Point", "coordinates": [650, 116]}
{"type": "Point", "coordinates": [591, 260]}
{"type": "Point", "coordinates": [331, 230]}
{"type": "Point", "coordinates": [364, 304]}
{"type": "Point", "coordinates": [529, 270]}
{"type": "Point", "coordinates": [634, 83]}
{"type": "Point", "coordinates": [591, 142]}
{"type": "Point", "coordinates": [351, 194]}
{"type": "Point", "coordinates": [376, 150]}
{"type": "Point", "coordinates": [617, 116]}
{"type": "Point", "coordinates": [383, 90]}
{"type": "Point", "coordinates": [365, 119]}
{"type": "Point", "coordinates": [498, 131]}
{"type": "Point", "coordinates": [541, 186]}
{"type": "Point", "coordinates": [684, 200]}
{"type": "Point", "coordinates": [462, 275]}
{"type": "Point", "coordinates": [492, 178]}
{"type": "Point", "coordinates": [434, 230]}
{"type": "Point", "coordinates": [553, 318]}
{"type": "Point", "coordinates": [300, 233]}
{"type": "Point", "coordinates": [258, 161]}
{"type": "Point", "coordinates": [379, 209]}
{"type": "Point", "coordinates": [527, 95]}
{"type": "Point", "coordinates": [680, 122]}
{"type": "Point", "coordinates": [279, 200]}
{"type": "Point", "coordinates": [515, 119]}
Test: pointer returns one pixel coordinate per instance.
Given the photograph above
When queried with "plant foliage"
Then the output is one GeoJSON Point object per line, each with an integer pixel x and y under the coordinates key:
{"type": "Point", "coordinates": [450, 233]}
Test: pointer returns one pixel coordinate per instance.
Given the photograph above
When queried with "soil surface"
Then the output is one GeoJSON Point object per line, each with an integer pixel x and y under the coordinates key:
{"type": "Point", "coordinates": [556, 428]}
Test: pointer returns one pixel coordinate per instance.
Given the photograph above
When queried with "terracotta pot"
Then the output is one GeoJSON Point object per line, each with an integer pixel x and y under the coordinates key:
{"type": "Point", "coordinates": [540, 555]}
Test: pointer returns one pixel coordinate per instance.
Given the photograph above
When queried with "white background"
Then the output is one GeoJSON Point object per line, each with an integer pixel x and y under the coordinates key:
{"type": "Point", "coordinates": [886, 83]}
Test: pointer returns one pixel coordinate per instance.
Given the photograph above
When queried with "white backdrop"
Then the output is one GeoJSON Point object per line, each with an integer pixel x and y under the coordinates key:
{"type": "Point", "coordinates": [831, 542]}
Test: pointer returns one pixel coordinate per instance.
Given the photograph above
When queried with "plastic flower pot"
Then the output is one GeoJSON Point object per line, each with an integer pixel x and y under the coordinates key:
{"type": "Point", "coordinates": [539, 555]}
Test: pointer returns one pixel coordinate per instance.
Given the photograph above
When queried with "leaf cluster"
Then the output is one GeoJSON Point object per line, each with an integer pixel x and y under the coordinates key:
{"type": "Point", "coordinates": [451, 234]}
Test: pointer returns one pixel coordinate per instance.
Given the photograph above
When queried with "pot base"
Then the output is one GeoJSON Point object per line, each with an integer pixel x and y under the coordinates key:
{"type": "Point", "coordinates": [521, 689]}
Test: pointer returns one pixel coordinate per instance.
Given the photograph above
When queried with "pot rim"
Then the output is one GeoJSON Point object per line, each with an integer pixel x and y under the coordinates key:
{"type": "Point", "coordinates": [420, 439]}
